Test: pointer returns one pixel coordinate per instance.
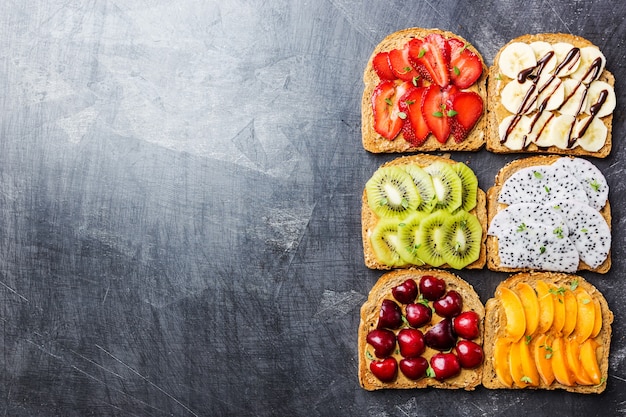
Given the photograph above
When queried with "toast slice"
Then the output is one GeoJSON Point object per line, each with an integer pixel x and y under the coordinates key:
{"type": "Point", "coordinates": [369, 219]}
{"type": "Point", "coordinates": [560, 358]}
{"type": "Point", "coordinates": [541, 122]}
{"type": "Point", "coordinates": [467, 379]}
{"type": "Point", "coordinates": [375, 143]}
{"type": "Point", "coordinates": [493, 207]}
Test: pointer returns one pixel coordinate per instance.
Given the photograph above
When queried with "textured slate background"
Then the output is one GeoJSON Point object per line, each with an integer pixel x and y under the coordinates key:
{"type": "Point", "coordinates": [179, 204]}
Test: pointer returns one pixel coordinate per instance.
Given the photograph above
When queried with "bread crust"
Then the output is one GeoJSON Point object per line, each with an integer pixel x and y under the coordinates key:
{"type": "Point", "coordinates": [493, 207]}
{"type": "Point", "coordinates": [375, 143]}
{"type": "Point", "coordinates": [468, 379]}
{"type": "Point", "coordinates": [369, 219]}
{"type": "Point", "coordinates": [496, 111]}
{"type": "Point", "coordinates": [496, 320]}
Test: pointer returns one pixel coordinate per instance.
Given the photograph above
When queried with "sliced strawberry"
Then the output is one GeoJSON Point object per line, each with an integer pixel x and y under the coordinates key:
{"type": "Point", "coordinates": [431, 57]}
{"type": "Point", "coordinates": [464, 110]}
{"type": "Point", "coordinates": [388, 119]}
{"type": "Point", "coordinates": [435, 112]}
{"type": "Point", "coordinates": [415, 130]}
{"type": "Point", "coordinates": [401, 66]}
{"type": "Point", "coordinates": [382, 66]}
{"type": "Point", "coordinates": [465, 66]}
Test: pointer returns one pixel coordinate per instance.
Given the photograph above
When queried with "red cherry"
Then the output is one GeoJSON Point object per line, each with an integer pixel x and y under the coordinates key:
{"type": "Point", "coordinates": [441, 336]}
{"type": "Point", "coordinates": [432, 288]}
{"type": "Point", "coordinates": [385, 370]}
{"type": "Point", "coordinates": [450, 305]}
{"type": "Point", "coordinates": [405, 292]}
{"type": "Point", "coordinates": [414, 368]}
{"type": "Point", "coordinates": [383, 341]}
{"type": "Point", "coordinates": [418, 314]}
{"type": "Point", "coordinates": [470, 354]}
{"type": "Point", "coordinates": [466, 325]}
{"type": "Point", "coordinates": [411, 342]}
{"type": "Point", "coordinates": [390, 315]}
{"type": "Point", "coordinates": [445, 365]}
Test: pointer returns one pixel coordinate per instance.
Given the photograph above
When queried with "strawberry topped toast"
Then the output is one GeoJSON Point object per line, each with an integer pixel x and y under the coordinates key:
{"type": "Point", "coordinates": [425, 90]}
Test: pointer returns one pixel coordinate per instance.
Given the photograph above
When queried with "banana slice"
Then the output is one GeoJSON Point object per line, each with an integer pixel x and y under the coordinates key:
{"type": "Point", "coordinates": [593, 93]}
{"type": "Point", "coordinates": [588, 55]}
{"type": "Point", "coordinates": [539, 128]}
{"type": "Point", "coordinates": [541, 49]}
{"type": "Point", "coordinates": [513, 97]}
{"type": "Point", "coordinates": [551, 92]}
{"type": "Point", "coordinates": [516, 139]}
{"type": "Point", "coordinates": [515, 57]}
{"type": "Point", "coordinates": [595, 135]}
{"type": "Point", "coordinates": [575, 97]}
{"type": "Point", "coordinates": [559, 131]}
{"type": "Point", "coordinates": [562, 50]}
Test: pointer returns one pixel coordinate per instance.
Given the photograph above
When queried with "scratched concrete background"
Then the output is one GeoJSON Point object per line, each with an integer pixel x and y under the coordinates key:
{"type": "Point", "coordinates": [179, 204]}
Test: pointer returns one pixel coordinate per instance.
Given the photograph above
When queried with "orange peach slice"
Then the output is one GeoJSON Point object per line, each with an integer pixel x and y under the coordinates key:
{"type": "Point", "coordinates": [528, 297]}
{"type": "Point", "coordinates": [571, 313]}
{"type": "Point", "coordinates": [597, 326]}
{"type": "Point", "coordinates": [546, 307]}
{"type": "Point", "coordinates": [515, 365]}
{"type": "Point", "coordinates": [501, 361]}
{"type": "Point", "coordinates": [559, 363]}
{"type": "Point", "coordinates": [542, 352]}
{"type": "Point", "coordinates": [586, 319]}
{"type": "Point", "coordinates": [531, 375]}
{"type": "Point", "coordinates": [589, 360]}
{"type": "Point", "coordinates": [559, 309]}
{"type": "Point", "coordinates": [514, 312]}
{"type": "Point", "coordinates": [573, 362]}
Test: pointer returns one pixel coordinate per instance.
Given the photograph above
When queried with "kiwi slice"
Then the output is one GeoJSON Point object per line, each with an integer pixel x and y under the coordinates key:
{"type": "Point", "coordinates": [470, 185]}
{"type": "Point", "coordinates": [424, 184]}
{"type": "Point", "coordinates": [448, 186]}
{"type": "Point", "coordinates": [461, 239]}
{"type": "Point", "coordinates": [407, 233]}
{"type": "Point", "coordinates": [391, 193]}
{"type": "Point", "coordinates": [430, 236]}
{"type": "Point", "coordinates": [386, 241]}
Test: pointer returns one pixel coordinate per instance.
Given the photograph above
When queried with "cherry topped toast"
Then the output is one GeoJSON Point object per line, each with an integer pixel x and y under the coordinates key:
{"type": "Point", "coordinates": [425, 90]}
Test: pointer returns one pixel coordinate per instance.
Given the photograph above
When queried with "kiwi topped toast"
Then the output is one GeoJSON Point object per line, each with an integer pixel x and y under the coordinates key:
{"type": "Point", "coordinates": [551, 213]}
{"type": "Point", "coordinates": [425, 90]}
{"type": "Point", "coordinates": [550, 93]}
{"type": "Point", "coordinates": [423, 210]}
{"type": "Point", "coordinates": [547, 330]}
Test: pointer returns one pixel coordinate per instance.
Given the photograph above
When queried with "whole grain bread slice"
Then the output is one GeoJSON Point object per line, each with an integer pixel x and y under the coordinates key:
{"type": "Point", "coordinates": [495, 324]}
{"type": "Point", "coordinates": [493, 207]}
{"type": "Point", "coordinates": [468, 379]}
{"type": "Point", "coordinates": [369, 219]}
{"type": "Point", "coordinates": [375, 143]}
{"type": "Point", "coordinates": [496, 111]}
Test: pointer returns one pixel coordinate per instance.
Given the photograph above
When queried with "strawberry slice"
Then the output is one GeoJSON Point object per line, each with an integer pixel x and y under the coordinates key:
{"type": "Point", "coordinates": [401, 66]}
{"type": "Point", "coordinates": [431, 56]}
{"type": "Point", "coordinates": [382, 66]}
{"type": "Point", "coordinates": [465, 66]}
{"type": "Point", "coordinates": [388, 119]}
{"type": "Point", "coordinates": [415, 130]}
{"type": "Point", "coordinates": [465, 108]}
{"type": "Point", "coordinates": [435, 112]}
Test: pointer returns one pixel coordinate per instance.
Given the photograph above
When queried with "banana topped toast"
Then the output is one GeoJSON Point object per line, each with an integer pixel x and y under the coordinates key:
{"type": "Point", "coordinates": [550, 93]}
{"type": "Point", "coordinates": [421, 328]}
{"type": "Point", "coordinates": [551, 213]}
{"type": "Point", "coordinates": [423, 210]}
{"type": "Point", "coordinates": [425, 90]}
{"type": "Point", "coordinates": [547, 330]}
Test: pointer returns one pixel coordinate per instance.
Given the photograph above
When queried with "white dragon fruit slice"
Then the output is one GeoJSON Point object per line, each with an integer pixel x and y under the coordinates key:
{"type": "Point", "coordinates": [593, 181]}
{"type": "Point", "coordinates": [515, 214]}
{"type": "Point", "coordinates": [536, 246]}
{"type": "Point", "coordinates": [541, 184]}
{"type": "Point", "coordinates": [587, 229]}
